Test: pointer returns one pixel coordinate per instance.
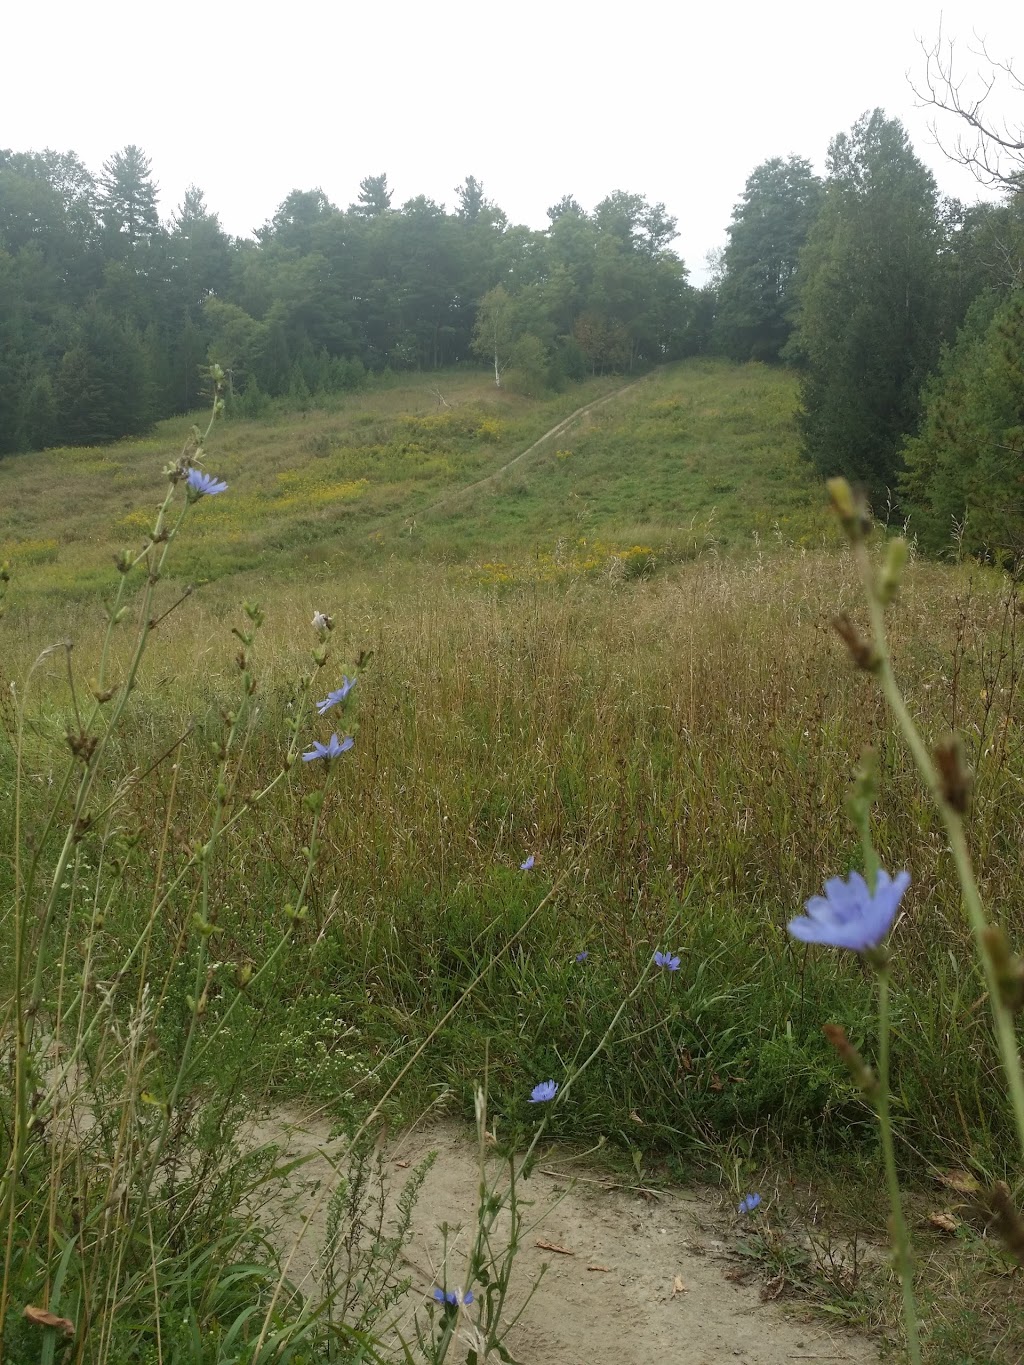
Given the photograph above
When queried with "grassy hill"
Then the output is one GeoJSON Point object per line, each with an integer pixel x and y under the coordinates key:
{"type": "Point", "coordinates": [698, 454]}
{"type": "Point", "coordinates": [614, 655]}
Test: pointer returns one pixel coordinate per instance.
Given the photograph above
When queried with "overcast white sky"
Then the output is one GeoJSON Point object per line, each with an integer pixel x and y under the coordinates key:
{"type": "Point", "coordinates": [538, 98]}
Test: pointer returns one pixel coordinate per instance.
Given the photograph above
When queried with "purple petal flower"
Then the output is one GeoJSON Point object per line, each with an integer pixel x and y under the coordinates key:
{"type": "Point", "coordinates": [582, 957]}
{"type": "Point", "coordinates": [547, 1090]}
{"type": "Point", "coordinates": [525, 867]}
{"type": "Point", "coordinates": [338, 695]}
{"type": "Point", "coordinates": [200, 483]}
{"type": "Point", "coordinates": [331, 749]}
{"type": "Point", "coordinates": [453, 1297]}
{"type": "Point", "coordinates": [666, 960]}
{"type": "Point", "coordinates": [848, 915]}
{"type": "Point", "coordinates": [748, 1203]}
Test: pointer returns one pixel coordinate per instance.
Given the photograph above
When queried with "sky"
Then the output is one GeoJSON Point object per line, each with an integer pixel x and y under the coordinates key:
{"type": "Point", "coordinates": [674, 100]}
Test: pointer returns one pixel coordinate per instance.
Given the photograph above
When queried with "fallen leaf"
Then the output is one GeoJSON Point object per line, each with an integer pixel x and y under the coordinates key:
{"type": "Point", "coordinates": [42, 1317]}
{"type": "Point", "coordinates": [773, 1289]}
{"type": "Point", "coordinates": [961, 1181]}
{"type": "Point", "coordinates": [715, 1083]}
{"type": "Point", "coordinates": [636, 1117]}
{"type": "Point", "coordinates": [403, 1165]}
{"type": "Point", "coordinates": [945, 1222]}
{"type": "Point", "coordinates": [553, 1246]}
{"type": "Point", "coordinates": [604, 1269]}
{"type": "Point", "coordinates": [677, 1286]}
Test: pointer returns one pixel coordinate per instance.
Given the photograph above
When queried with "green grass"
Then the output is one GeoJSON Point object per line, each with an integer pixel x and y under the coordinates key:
{"type": "Point", "coordinates": [334, 483]}
{"type": "Point", "coordinates": [697, 455]}
{"type": "Point", "coordinates": [617, 657]}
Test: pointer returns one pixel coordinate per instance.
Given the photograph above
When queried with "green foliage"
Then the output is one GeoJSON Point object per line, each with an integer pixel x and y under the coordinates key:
{"type": "Point", "coordinates": [867, 331]}
{"type": "Point", "coordinates": [769, 228]}
{"type": "Point", "coordinates": [319, 297]}
{"type": "Point", "coordinates": [127, 197]}
{"type": "Point", "coordinates": [673, 746]}
{"type": "Point", "coordinates": [374, 197]}
{"type": "Point", "coordinates": [963, 471]}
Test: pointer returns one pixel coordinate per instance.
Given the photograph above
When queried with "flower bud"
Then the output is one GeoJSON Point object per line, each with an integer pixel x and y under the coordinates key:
{"type": "Point", "coordinates": [895, 563]}
{"type": "Point", "coordinates": [1008, 968]}
{"type": "Point", "coordinates": [863, 1076]}
{"type": "Point", "coordinates": [850, 508]}
{"type": "Point", "coordinates": [864, 655]}
{"type": "Point", "coordinates": [955, 776]}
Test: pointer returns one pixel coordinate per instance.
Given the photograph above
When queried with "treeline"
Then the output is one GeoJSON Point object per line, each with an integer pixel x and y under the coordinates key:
{"type": "Point", "coordinates": [108, 316]}
{"type": "Point", "coordinates": [903, 310]}
{"type": "Point", "coordinates": [905, 314]}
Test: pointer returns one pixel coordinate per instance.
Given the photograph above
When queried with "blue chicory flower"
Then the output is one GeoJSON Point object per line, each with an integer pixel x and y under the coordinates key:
{"type": "Point", "coordinates": [453, 1296]}
{"type": "Point", "coordinates": [200, 483]}
{"type": "Point", "coordinates": [547, 1090]}
{"type": "Point", "coordinates": [582, 957]}
{"type": "Point", "coordinates": [331, 749]}
{"type": "Point", "coordinates": [525, 867]}
{"type": "Point", "coordinates": [748, 1203]}
{"type": "Point", "coordinates": [666, 960]}
{"type": "Point", "coordinates": [338, 695]}
{"type": "Point", "coordinates": [848, 915]}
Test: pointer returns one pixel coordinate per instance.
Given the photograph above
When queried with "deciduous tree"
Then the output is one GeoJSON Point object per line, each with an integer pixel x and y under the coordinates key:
{"type": "Point", "coordinates": [768, 230]}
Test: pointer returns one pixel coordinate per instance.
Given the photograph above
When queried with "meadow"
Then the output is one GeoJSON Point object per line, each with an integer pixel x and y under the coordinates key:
{"type": "Point", "coordinates": [615, 658]}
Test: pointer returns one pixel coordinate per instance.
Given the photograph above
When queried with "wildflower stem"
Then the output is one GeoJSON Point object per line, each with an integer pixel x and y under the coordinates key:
{"type": "Point", "coordinates": [900, 1235]}
{"type": "Point", "coordinates": [1001, 1015]}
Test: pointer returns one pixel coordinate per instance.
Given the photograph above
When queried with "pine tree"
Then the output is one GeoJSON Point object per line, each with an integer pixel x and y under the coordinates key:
{"type": "Point", "coordinates": [868, 302]}
{"type": "Point", "coordinates": [966, 467]}
{"type": "Point", "coordinates": [374, 197]}
{"type": "Point", "coordinates": [127, 198]}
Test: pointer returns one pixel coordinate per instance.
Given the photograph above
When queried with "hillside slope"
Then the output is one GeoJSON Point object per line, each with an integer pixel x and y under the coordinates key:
{"type": "Point", "coordinates": [696, 452]}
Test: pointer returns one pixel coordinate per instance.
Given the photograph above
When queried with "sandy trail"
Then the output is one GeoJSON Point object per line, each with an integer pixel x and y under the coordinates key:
{"type": "Point", "coordinates": [631, 1311]}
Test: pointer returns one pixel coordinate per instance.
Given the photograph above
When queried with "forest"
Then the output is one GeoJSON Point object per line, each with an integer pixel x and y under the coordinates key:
{"type": "Point", "coordinates": [902, 310]}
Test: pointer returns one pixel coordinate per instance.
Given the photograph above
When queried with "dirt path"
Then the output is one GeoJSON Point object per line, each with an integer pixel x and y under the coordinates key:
{"type": "Point", "coordinates": [557, 430]}
{"type": "Point", "coordinates": [650, 1281]}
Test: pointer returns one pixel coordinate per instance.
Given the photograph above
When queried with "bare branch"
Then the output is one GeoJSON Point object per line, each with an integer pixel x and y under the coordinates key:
{"type": "Point", "coordinates": [993, 147]}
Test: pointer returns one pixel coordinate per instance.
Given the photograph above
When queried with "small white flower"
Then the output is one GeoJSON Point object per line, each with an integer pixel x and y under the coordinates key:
{"type": "Point", "coordinates": [321, 621]}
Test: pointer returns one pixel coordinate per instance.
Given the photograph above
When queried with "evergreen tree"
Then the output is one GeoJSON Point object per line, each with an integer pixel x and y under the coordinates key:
{"type": "Point", "coordinates": [103, 389]}
{"type": "Point", "coordinates": [128, 197]}
{"type": "Point", "coordinates": [199, 250]}
{"type": "Point", "coordinates": [966, 467]}
{"type": "Point", "coordinates": [868, 304]}
{"type": "Point", "coordinates": [474, 207]}
{"type": "Point", "coordinates": [374, 197]}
